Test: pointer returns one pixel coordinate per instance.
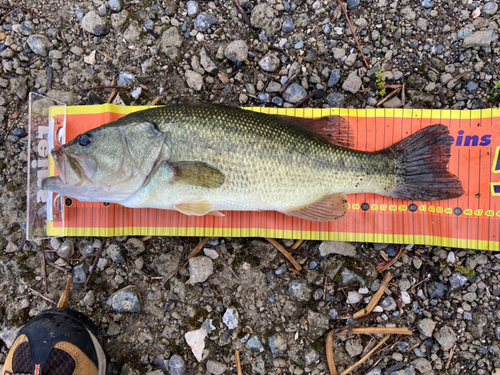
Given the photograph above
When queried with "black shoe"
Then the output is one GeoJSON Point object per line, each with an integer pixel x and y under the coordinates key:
{"type": "Point", "coordinates": [57, 342]}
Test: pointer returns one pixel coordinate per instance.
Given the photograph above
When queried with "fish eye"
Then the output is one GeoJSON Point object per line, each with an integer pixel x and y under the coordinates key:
{"type": "Point", "coordinates": [84, 140]}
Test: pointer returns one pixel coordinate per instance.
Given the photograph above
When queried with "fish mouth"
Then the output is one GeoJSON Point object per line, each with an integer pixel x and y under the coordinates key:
{"type": "Point", "coordinates": [73, 169]}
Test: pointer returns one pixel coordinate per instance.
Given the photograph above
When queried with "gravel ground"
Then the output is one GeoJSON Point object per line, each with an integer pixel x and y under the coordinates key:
{"type": "Point", "coordinates": [276, 54]}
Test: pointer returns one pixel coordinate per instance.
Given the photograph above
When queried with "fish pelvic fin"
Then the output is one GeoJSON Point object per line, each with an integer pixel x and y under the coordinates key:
{"type": "Point", "coordinates": [330, 207]}
{"type": "Point", "coordinates": [199, 208]}
{"type": "Point", "coordinates": [196, 173]}
{"type": "Point", "coordinates": [333, 129]}
{"type": "Point", "coordinates": [422, 159]}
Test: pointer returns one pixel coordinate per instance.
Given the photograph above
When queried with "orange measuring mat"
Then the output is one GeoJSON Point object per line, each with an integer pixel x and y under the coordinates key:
{"type": "Point", "coordinates": [471, 221]}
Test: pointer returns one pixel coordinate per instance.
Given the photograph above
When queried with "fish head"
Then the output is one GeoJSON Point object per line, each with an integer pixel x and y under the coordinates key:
{"type": "Point", "coordinates": [106, 164]}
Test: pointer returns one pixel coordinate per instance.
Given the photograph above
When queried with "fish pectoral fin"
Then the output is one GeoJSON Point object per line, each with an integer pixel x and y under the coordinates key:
{"type": "Point", "coordinates": [199, 208]}
{"type": "Point", "coordinates": [330, 207]}
{"type": "Point", "coordinates": [334, 129]}
{"type": "Point", "coordinates": [196, 173]}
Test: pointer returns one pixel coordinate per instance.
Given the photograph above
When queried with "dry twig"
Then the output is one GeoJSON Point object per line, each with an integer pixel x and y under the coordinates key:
{"type": "Point", "coordinates": [451, 356]}
{"type": "Point", "coordinates": [41, 296]}
{"type": "Point", "coordinates": [329, 354]}
{"type": "Point", "coordinates": [388, 97]}
{"type": "Point", "coordinates": [378, 330]}
{"type": "Point", "coordinates": [353, 33]}
{"type": "Point", "coordinates": [238, 362]}
{"type": "Point", "coordinates": [107, 87]}
{"type": "Point", "coordinates": [288, 83]}
{"type": "Point", "coordinates": [383, 266]}
{"type": "Point", "coordinates": [198, 247]}
{"type": "Point", "coordinates": [296, 245]}
{"type": "Point", "coordinates": [228, 266]}
{"type": "Point", "coordinates": [65, 294]}
{"type": "Point", "coordinates": [373, 302]}
{"type": "Point", "coordinates": [94, 265]}
{"type": "Point", "coordinates": [287, 255]}
{"type": "Point", "coordinates": [365, 358]}
{"type": "Point", "coordinates": [242, 11]}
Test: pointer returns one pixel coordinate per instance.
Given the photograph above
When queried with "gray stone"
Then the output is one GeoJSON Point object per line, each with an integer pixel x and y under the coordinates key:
{"type": "Point", "coordinates": [421, 99]}
{"type": "Point", "coordinates": [335, 100]}
{"type": "Point", "coordinates": [115, 253]}
{"type": "Point", "coordinates": [236, 51]}
{"type": "Point", "coordinates": [333, 313]}
{"type": "Point", "coordinates": [171, 38]}
{"type": "Point", "coordinates": [277, 100]}
{"type": "Point", "coordinates": [203, 22]}
{"type": "Point", "coordinates": [300, 290]}
{"type": "Point", "coordinates": [70, 78]}
{"type": "Point", "coordinates": [194, 80]}
{"type": "Point", "coordinates": [478, 39]}
{"type": "Point", "coordinates": [230, 318]}
{"type": "Point", "coordinates": [446, 337]}
{"type": "Point", "coordinates": [393, 102]}
{"type": "Point", "coordinates": [426, 327]}
{"type": "Point", "coordinates": [273, 86]}
{"type": "Point", "coordinates": [336, 247]}
{"type": "Point", "coordinates": [477, 326]}
{"type": "Point", "coordinates": [78, 51]}
{"type": "Point", "coordinates": [408, 13]}
{"type": "Point", "coordinates": [67, 249]}
{"type": "Point", "coordinates": [334, 78]}
{"type": "Point", "coordinates": [318, 324]}
{"type": "Point", "coordinates": [262, 17]}
{"type": "Point", "coordinates": [27, 28]}
{"type": "Point", "coordinates": [55, 54]}
{"type": "Point", "coordinates": [423, 366]}
{"type": "Point", "coordinates": [89, 298]}
{"type": "Point", "coordinates": [176, 365]}
{"type": "Point", "coordinates": [254, 344]}
{"type": "Point", "coordinates": [114, 329]}
{"type": "Point", "coordinates": [119, 19]}
{"type": "Point", "coordinates": [80, 274]}
{"type": "Point", "coordinates": [375, 371]}
{"type": "Point", "coordinates": [472, 87]}
{"type": "Point", "coordinates": [8, 335]}
{"type": "Point", "coordinates": [469, 297]}
{"type": "Point", "coordinates": [135, 246]}
{"type": "Point", "coordinates": [288, 25]}
{"type": "Point", "coordinates": [349, 276]}
{"type": "Point", "coordinates": [354, 347]}
{"type": "Point", "coordinates": [417, 81]}
{"type": "Point", "coordinates": [39, 44]}
{"type": "Point", "coordinates": [436, 290]}
{"type": "Point", "coordinates": [388, 303]}
{"type": "Point", "coordinates": [216, 368]}
{"type": "Point", "coordinates": [116, 5]}
{"type": "Point", "coordinates": [458, 280]}
{"type": "Point", "coordinates": [351, 59]}
{"type": "Point", "coordinates": [353, 297]}
{"type": "Point", "coordinates": [125, 300]}
{"type": "Point", "coordinates": [192, 8]}
{"type": "Point", "coordinates": [352, 83]}
{"type": "Point", "coordinates": [200, 269]}
{"type": "Point", "coordinates": [311, 357]}
{"type": "Point", "coordinates": [94, 24]}
{"type": "Point", "coordinates": [65, 97]}
{"type": "Point", "coordinates": [206, 62]}
{"type": "Point", "coordinates": [427, 4]}
{"type": "Point", "coordinates": [490, 8]}
{"type": "Point", "coordinates": [132, 33]}
{"type": "Point", "coordinates": [173, 53]}
{"type": "Point", "coordinates": [264, 97]}
{"type": "Point", "coordinates": [270, 62]}
{"type": "Point", "coordinates": [353, 4]}
{"type": "Point", "coordinates": [294, 93]}
{"type": "Point", "coordinates": [277, 344]}
{"type": "Point", "coordinates": [102, 10]}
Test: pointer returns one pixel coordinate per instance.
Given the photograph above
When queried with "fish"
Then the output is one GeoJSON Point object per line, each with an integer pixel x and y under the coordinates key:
{"type": "Point", "coordinates": [203, 159]}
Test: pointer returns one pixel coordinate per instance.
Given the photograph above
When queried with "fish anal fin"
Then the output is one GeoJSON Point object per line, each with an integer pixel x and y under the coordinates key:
{"type": "Point", "coordinates": [196, 173]}
{"type": "Point", "coordinates": [199, 208]}
{"type": "Point", "coordinates": [334, 129]}
{"type": "Point", "coordinates": [330, 207]}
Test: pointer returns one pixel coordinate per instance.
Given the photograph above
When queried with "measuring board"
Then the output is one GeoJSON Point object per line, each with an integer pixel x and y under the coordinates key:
{"type": "Point", "coordinates": [471, 221]}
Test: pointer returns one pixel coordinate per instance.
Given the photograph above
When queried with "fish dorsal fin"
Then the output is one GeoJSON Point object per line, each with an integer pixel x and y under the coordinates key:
{"type": "Point", "coordinates": [334, 129]}
{"type": "Point", "coordinates": [330, 207]}
{"type": "Point", "coordinates": [199, 208]}
{"type": "Point", "coordinates": [196, 173]}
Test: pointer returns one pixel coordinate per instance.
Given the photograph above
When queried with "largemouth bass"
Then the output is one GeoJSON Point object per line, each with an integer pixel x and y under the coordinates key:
{"type": "Point", "coordinates": [203, 159]}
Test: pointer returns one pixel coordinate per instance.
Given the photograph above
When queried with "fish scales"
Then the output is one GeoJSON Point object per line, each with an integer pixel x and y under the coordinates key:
{"type": "Point", "coordinates": [268, 162]}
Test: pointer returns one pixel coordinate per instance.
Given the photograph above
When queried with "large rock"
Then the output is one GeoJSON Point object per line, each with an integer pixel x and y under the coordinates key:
{"type": "Point", "coordinates": [478, 39]}
{"type": "Point", "coordinates": [263, 18]}
{"type": "Point", "coordinates": [94, 24]}
{"type": "Point", "coordinates": [236, 51]}
{"type": "Point", "coordinates": [40, 44]}
{"type": "Point", "coordinates": [125, 300]}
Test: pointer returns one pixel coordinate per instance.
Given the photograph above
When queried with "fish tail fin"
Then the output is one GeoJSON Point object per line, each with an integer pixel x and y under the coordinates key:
{"type": "Point", "coordinates": [422, 160]}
